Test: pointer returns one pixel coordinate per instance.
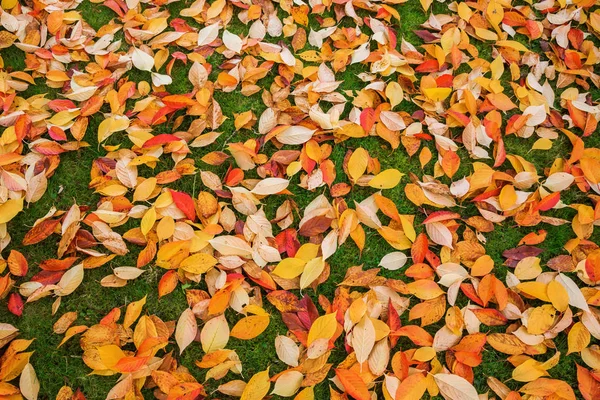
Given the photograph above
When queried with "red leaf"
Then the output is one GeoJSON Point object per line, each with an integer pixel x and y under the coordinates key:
{"type": "Point", "coordinates": [548, 202]}
{"type": "Point", "coordinates": [15, 304]}
{"type": "Point", "coordinates": [161, 139]}
{"type": "Point", "coordinates": [47, 277]}
{"type": "Point", "coordinates": [367, 119]}
{"type": "Point", "coordinates": [429, 66]}
{"type": "Point", "coordinates": [185, 203]}
{"type": "Point", "coordinates": [393, 322]}
{"type": "Point", "coordinates": [234, 177]}
{"type": "Point", "coordinates": [439, 216]}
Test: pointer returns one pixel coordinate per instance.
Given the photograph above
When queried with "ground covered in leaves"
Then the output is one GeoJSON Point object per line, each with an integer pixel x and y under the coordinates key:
{"type": "Point", "coordinates": [348, 199]}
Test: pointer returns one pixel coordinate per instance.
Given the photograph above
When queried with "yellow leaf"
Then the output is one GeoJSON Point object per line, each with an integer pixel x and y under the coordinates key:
{"type": "Point", "coordinates": [113, 190]}
{"type": "Point", "coordinates": [426, 4]}
{"type": "Point", "coordinates": [486, 34]}
{"type": "Point", "coordinates": [134, 309]}
{"type": "Point", "coordinates": [437, 94]}
{"type": "Point", "coordinates": [424, 354]}
{"type": "Point", "coordinates": [324, 327]}
{"type": "Point", "coordinates": [528, 371]}
{"type": "Point", "coordinates": [312, 270]}
{"type": "Point", "coordinates": [497, 67]}
{"type": "Point", "coordinates": [408, 228]}
{"type": "Point", "coordinates": [306, 394]}
{"type": "Point", "coordinates": [165, 228]}
{"type": "Point", "coordinates": [425, 154]}
{"type": "Point", "coordinates": [394, 93]}
{"type": "Point", "coordinates": [8, 4]}
{"type": "Point", "coordinates": [289, 268]}
{"type": "Point", "coordinates": [104, 129]}
{"type": "Point", "coordinates": [12, 366]}
{"type": "Point", "coordinates": [357, 164]}
{"type": "Point", "coordinates": [72, 331]}
{"type": "Point", "coordinates": [258, 386]}
{"type": "Point", "coordinates": [215, 334]}
{"type": "Point", "coordinates": [513, 44]}
{"type": "Point", "coordinates": [144, 189]}
{"type": "Point", "coordinates": [495, 13]}
{"type": "Point", "coordinates": [148, 220]}
{"type": "Point", "coordinates": [386, 179]}
{"type": "Point", "coordinates": [540, 319]}
{"type": "Point", "coordinates": [110, 355]}
{"type": "Point", "coordinates": [558, 295]}
{"type": "Point", "coordinates": [10, 209]}
{"type": "Point", "coordinates": [464, 11]}
{"type": "Point", "coordinates": [579, 338]}
{"type": "Point", "coordinates": [528, 268]}
{"type": "Point", "coordinates": [508, 197]}
{"type": "Point", "coordinates": [169, 250]}
{"type": "Point", "coordinates": [63, 117]}
{"type": "Point", "coordinates": [70, 281]}
{"type": "Point", "coordinates": [542, 144]}
{"type": "Point", "coordinates": [198, 263]}
{"type": "Point", "coordinates": [250, 327]}
{"type": "Point", "coordinates": [534, 289]}
{"type": "Point", "coordinates": [307, 251]}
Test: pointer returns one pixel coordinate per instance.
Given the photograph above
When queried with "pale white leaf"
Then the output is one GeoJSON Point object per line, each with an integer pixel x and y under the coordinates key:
{"type": "Point", "coordinates": [29, 383]}
{"type": "Point", "coordinates": [363, 339]}
{"type": "Point", "coordinates": [70, 281]}
{"type": "Point", "coordinates": [393, 261]}
{"type": "Point", "coordinates": [231, 246]}
{"type": "Point", "coordinates": [329, 244]}
{"type": "Point", "coordinates": [215, 334]}
{"type": "Point", "coordinates": [128, 273]}
{"type": "Point", "coordinates": [559, 181]}
{"type": "Point", "coordinates": [270, 186]}
{"type": "Point", "coordinates": [160, 79]}
{"type": "Point", "coordinates": [576, 298]}
{"type": "Point", "coordinates": [296, 134]}
{"type": "Point", "coordinates": [454, 387]}
{"type": "Point", "coordinates": [379, 357]}
{"type": "Point", "coordinates": [460, 188]}
{"type": "Point", "coordinates": [439, 233]}
{"type": "Point", "coordinates": [232, 41]}
{"type": "Point", "coordinates": [537, 115]}
{"type": "Point", "coordinates": [208, 34]}
{"type": "Point", "coordinates": [287, 350]}
{"type": "Point", "coordinates": [288, 383]}
{"type": "Point", "coordinates": [142, 60]}
{"type": "Point", "coordinates": [198, 75]}
{"type": "Point", "coordinates": [186, 329]}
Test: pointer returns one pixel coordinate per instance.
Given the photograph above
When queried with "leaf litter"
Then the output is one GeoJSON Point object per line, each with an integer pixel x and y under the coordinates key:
{"type": "Point", "coordinates": [220, 246]}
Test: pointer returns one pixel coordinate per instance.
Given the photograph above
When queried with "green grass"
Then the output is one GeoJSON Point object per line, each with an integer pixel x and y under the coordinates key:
{"type": "Point", "coordinates": [64, 366]}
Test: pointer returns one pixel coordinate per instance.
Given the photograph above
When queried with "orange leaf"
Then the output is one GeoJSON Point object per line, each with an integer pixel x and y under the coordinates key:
{"type": "Point", "coordinates": [413, 387]}
{"type": "Point", "coordinates": [353, 384]}
{"type": "Point", "coordinates": [17, 263]}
